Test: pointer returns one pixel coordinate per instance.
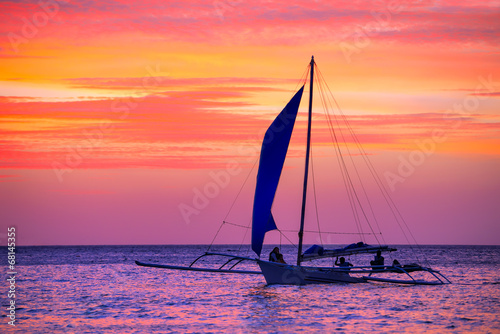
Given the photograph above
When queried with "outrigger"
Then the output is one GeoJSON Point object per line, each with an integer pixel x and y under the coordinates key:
{"type": "Point", "coordinates": [227, 267]}
{"type": "Point", "coordinates": [308, 275]}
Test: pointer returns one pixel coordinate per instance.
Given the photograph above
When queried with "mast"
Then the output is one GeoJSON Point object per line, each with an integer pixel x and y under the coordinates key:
{"type": "Point", "coordinates": [306, 171]}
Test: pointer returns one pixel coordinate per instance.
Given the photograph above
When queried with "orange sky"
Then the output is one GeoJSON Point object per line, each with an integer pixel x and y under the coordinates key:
{"type": "Point", "coordinates": [185, 87]}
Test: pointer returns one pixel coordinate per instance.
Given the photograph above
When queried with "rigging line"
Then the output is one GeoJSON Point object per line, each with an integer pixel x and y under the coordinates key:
{"type": "Point", "coordinates": [315, 198]}
{"type": "Point", "coordinates": [239, 225]}
{"type": "Point", "coordinates": [241, 188]}
{"type": "Point", "coordinates": [352, 189]}
{"type": "Point", "coordinates": [364, 155]}
{"type": "Point", "coordinates": [385, 193]}
{"type": "Point", "coordinates": [332, 135]}
{"type": "Point", "coordinates": [342, 166]}
{"type": "Point", "coordinates": [349, 152]}
{"type": "Point", "coordinates": [244, 236]}
{"type": "Point", "coordinates": [357, 197]}
{"type": "Point", "coordinates": [302, 80]}
{"type": "Point", "coordinates": [304, 75]}
{"type": "Point", "coordinates": [381, 187]}
{"type": "Point", "coordinates": [349, 233]}
{"type": "Point", "coordinates": [232, 205]}
{"type": "Point", "coordinates": [213, 240]}
{"type": "Point", "coordinates": [360, 182]}
{"type": "Point", "coordinates": [354, 166]}
{"type": "Point", "coordinates": [290, 241]}
{"type": "Point", "coordinates": [394, 210]}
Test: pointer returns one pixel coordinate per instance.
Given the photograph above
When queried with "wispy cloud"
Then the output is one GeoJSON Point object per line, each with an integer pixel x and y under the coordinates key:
{"type": "Point", "coordinates": [260, 22]}
{"type": "Point", "coordinates": [194, 116]}
{"type": "Point", "coordinates": [164, 83]}
{"type": "Point", "coordinates": [188, 129]}
{"type": "Point", "coordinates": [489, 94]}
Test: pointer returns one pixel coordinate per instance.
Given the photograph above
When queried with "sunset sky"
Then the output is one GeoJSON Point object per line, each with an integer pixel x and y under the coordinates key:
{"type": "Point", "coordinates": [127, 122]}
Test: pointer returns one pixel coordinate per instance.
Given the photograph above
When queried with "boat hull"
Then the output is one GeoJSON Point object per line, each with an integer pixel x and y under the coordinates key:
{"type": "Point", "coordinates": [278, 273]}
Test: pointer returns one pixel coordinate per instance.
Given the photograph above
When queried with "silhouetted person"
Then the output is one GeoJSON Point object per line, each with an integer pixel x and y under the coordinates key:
{"type": "Point", "coordinates": [343, 263]}
{"type": "Point", "coordinates": [276, 256]}
{"type": "Point", "coordinates": [378, 259]}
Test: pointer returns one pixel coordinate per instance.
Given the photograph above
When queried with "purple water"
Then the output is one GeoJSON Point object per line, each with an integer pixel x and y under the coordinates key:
{"type": "Point", "coordinates": [99, 289]}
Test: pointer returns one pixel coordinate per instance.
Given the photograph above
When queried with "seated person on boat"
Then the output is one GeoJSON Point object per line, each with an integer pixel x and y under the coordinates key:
{"type": "Point", "coordinates": [276, 256]}
{"type": "Point", "coordinates": [378, 259]}
{"type": "Point", "coordinates": [343, 263]}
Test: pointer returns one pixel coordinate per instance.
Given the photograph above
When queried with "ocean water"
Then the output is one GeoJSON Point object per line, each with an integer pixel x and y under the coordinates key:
{"type": "Point", "coordinates": [99, 289]}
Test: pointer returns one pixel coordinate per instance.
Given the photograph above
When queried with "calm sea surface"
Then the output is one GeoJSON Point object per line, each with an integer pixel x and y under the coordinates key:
{"type": "Point", "coordinates": [99, 289]}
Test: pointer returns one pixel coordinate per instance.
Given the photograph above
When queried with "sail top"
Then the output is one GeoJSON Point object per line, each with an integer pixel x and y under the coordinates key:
{"type": "Point", "coordinates": [272, 159]}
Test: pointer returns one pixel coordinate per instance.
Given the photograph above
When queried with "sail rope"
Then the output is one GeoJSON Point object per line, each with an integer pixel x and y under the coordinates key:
{"type": "Point", "coordinates": [303, 78]}
{"type": "Point", "coordinates": [351, 188]}
{"type": "Point", "coordinates": [290, 241]}
{"type": "Point", "coordinates": [241, 188]}
{"type": "Point", "coordinates": [315, 197]}
{"type": "Point", "coordinates": [350, 155]}
{"type": "Point", "coordinates": [323, 232]}
{"type": "Point", "coordinates": [386, 195]}
{"type": "Point", "coordinates": [295, 231]}
{"type": "Point", "coordinates": [247, 228]}
{"type": "Point", "coordinates": [232, 205]}
{"type": "Point", "coordinates": [348, 190]}
{"type": "Point", "coordinates": [366, 197]}
{"type": "Point", "coordinates": [371, 168]}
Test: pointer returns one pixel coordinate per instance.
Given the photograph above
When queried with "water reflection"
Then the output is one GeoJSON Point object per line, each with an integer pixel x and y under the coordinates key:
{"type": "Point", "coordinates": [82, 297]}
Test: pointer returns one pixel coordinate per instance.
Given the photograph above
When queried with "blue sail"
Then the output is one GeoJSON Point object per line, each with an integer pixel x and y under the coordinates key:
{"type": "Point", "coordinates": [272, 158]}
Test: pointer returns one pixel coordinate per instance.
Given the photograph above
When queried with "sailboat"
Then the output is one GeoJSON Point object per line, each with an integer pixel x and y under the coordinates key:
{"type": "Point", "coordinates": [272, 158]}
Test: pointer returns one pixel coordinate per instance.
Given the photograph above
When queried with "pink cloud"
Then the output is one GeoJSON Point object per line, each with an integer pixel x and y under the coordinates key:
{"type": "Point", "coordinates": [260, 22]}
{"type": "Point", "coordinates": [162, 82]}
{"type": "Point", "coordinates": [10, 178]}
{"type": "Point", "coordinates": [185, 129]}
{"type": "Point", "coordinates": [490, 94]}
